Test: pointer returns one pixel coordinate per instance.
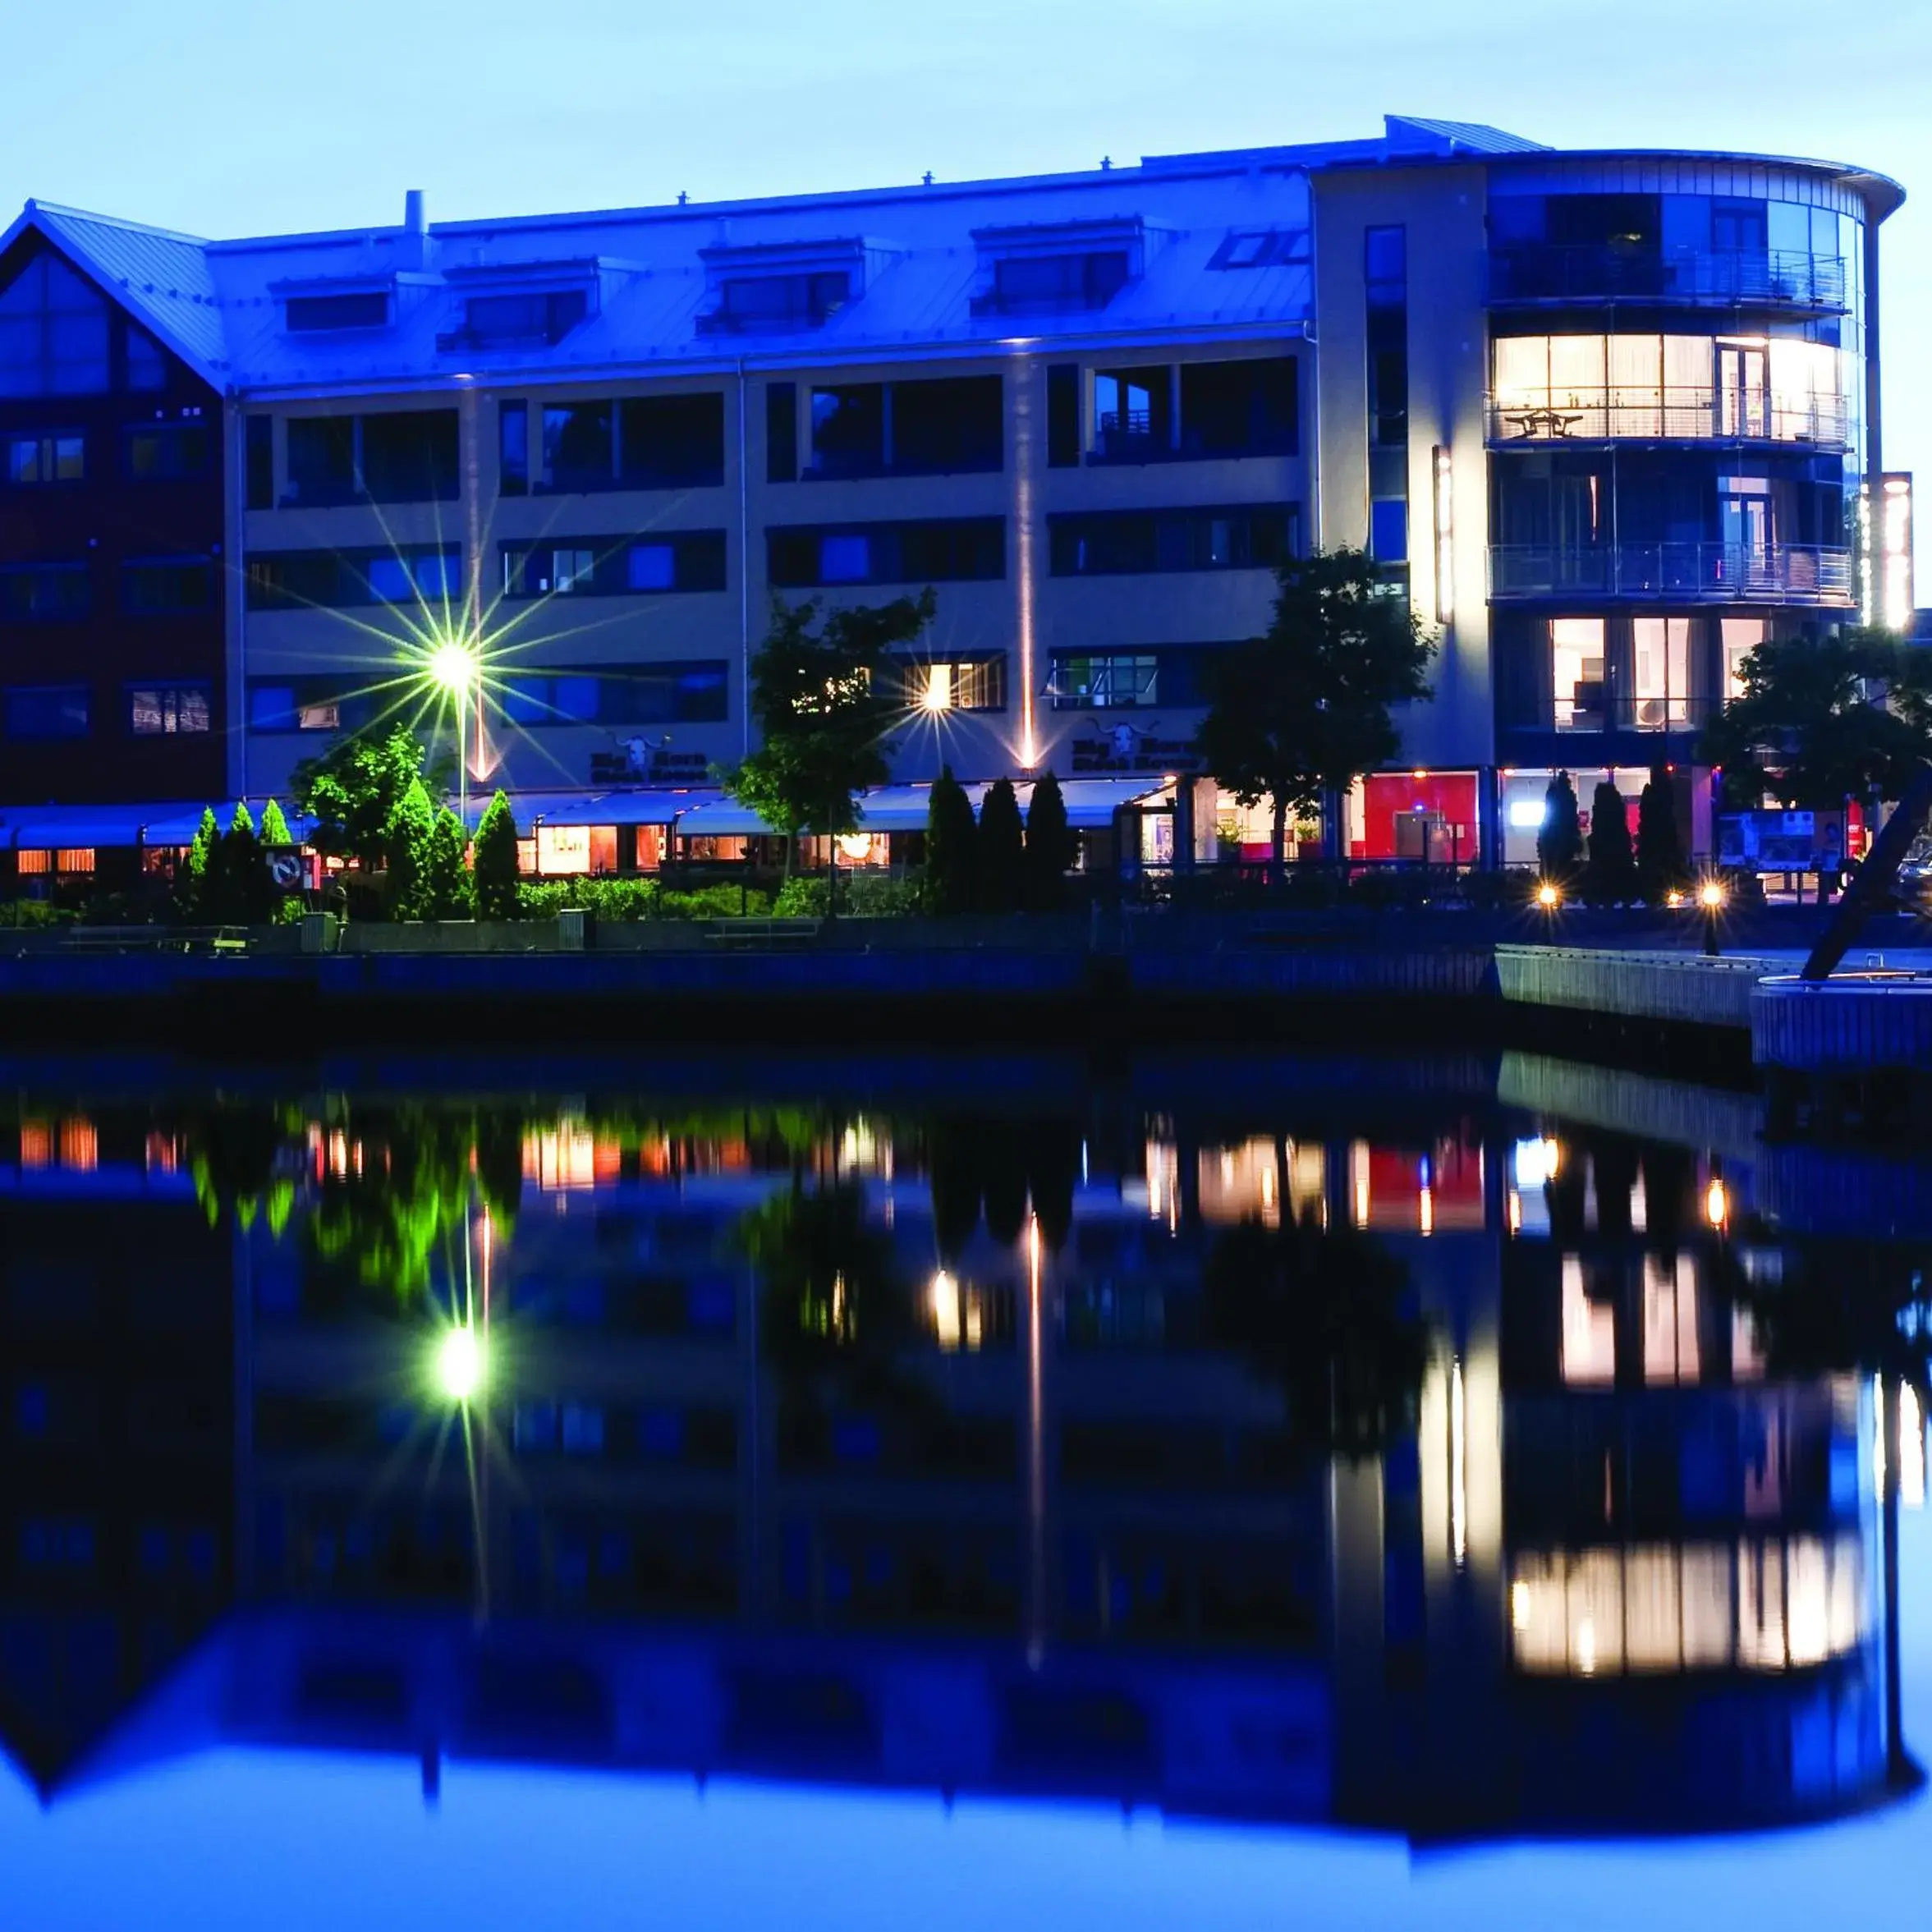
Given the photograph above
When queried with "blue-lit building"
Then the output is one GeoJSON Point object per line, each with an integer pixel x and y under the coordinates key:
{"type": "Point", "coordinates": [1607, 419]}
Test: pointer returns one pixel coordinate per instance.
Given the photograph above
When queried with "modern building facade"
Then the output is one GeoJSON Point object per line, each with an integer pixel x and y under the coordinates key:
{"type": "Point", "coordinates": [1606, 419]}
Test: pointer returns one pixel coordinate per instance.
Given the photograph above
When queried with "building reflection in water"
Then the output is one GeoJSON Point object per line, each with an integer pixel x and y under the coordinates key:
{"type": "Point", "coordinates": [1374, 1451]}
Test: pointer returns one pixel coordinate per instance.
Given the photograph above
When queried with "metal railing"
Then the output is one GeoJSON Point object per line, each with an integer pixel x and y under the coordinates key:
{"type": "Point", "coordinates": [1771, 573]}
{"type": "Point", "coordinates": [1541, 271]}
{"type": "Point", "coordinates": [1656, 415]}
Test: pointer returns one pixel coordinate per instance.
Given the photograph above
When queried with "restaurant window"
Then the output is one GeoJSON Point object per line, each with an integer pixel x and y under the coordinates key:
{"type": "Point", "coordinates": [1660, 669]}
{"type": "Point", "coordinates": [1577, 673]}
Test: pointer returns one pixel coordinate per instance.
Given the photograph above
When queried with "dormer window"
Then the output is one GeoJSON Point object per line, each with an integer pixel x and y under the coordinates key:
{"type": "Point", "coordinates": [318, 314]}
{"type": "Point", "coordinates": [541, 315]}
{"type": "Point", "coordinates": [784, 287]}
{"type": "Point", "coordinates": [782, 301]}
{"type": "Point", "coordinates": [1057, 268]}
{"type": "Point", "coordinates": [1261, 248]}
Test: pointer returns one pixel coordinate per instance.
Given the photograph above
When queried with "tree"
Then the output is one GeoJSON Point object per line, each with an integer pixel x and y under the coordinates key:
{"type": "Point", "coordinates": [1301, 711]}
{"type": "Point", "coordinates": [1049, 846]}
{"type": "Point", "coordinates": [352, 791]}
{"type": "Point", "coordinates": [951, 837]}
{"type": "Point", "coordinates": [494, 882]}
{"type": "Point", "coordinates": [235, 888]}
{"type": "Point", "coordinates": [243, 819]}
{"type": "Point", "coordinates": [407, 838]}
{"type": "Point", "coordinates": [446, 892]}
{"type": "Point", "coordinates": [1610, 869]}
{"type": "Point", "coordinates": [1660, 846]}
{"type": "Point", "coordinates": [1559, 839]}
{"type": "Point", "coordinates": [1820, 720]}
{"type": "Point", "coordinates": [190, 886]}
{"type": "Point", "coordinates": [999, 852]}
{"type": "Point", "coordinates": [274, 826]}
{"type": "Point", "coordinates": [824, 698]}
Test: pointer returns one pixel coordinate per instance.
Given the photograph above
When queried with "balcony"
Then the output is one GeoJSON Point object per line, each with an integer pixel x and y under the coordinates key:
{"type": "Point", "coordinates": [1672, 573]}
{"type": "Point", "coordinates": [1541, 273]}
{"type": "Point", "coordinates": [1647, 415]}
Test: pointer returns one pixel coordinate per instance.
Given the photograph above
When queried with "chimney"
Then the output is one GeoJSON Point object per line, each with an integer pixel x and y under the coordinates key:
{"type": "Point", "coordinates": [415, 249]}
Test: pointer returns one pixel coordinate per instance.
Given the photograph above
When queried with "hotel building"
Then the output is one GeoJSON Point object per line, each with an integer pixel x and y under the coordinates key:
{"type": "Point", "coordinates": [1606, 419]}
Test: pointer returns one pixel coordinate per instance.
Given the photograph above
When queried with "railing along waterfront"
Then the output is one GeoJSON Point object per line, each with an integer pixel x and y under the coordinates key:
{"type": "Point", "coordinates": [1718, 573]}
{"type": "Point", "coordinates": [1541, 271]}
{"type": "Point", "coordinates": [1643, 413]}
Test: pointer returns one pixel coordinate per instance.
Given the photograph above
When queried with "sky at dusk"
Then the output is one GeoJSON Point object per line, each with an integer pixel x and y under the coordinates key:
{"type": "Point", "coordinates": [228, 116]}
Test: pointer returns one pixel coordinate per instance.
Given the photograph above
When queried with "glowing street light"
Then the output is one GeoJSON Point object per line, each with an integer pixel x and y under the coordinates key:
{"type": "Point", "coordinates": [1548, 896]}
{"type": "Point", "coordinates": [1716, 1204]}
{"type": "Point", "coordinates": [461, 1366]}
{"type": "Point", "coordinates": [455, 671]}
{"type": "Point", "coordinates": [1710, 896]}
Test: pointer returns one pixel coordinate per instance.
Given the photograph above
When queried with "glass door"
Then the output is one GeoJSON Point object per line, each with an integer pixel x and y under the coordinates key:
{"type": "Point", "coordinates": [1744, 525]}
{"type": "Point", "coordinates": [1744, 386]}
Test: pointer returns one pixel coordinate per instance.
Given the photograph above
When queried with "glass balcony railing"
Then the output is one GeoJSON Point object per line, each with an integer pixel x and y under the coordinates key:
{"type": "Point", "coordinates": [1715, 573]}
{"type": "Point", "coordinates": [1654, 415]}
{"type": "Point", "coordinates": [1544, 272]}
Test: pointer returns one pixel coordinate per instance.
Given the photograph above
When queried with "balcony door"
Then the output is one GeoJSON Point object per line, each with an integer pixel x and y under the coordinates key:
{"type": "Point", "coordinates": [1745, 528]}
{"type": "Point", "coordinates": [1744, 389]}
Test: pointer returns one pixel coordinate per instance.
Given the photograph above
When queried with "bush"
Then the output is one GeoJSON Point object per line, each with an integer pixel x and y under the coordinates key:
{"type": "Point", "coordinates": [446, 884]}
{"type": "Point", "coordinates": [410, 834]}
{"type": "Point", "coordinates": [1613, 873]}
{"type": "Point", "coordinates": [1049, 848]}
{"type": "Point", "coordinates": [715, 902]}
{"type": "Point", "coordinates": [861, 895]}
{"type": "Point", "coordinates": [950, 834]}
{"type": "Point", "coordinates": [618, 900]}
{"type": "Point", "coordinates": [496, 862]}
{"type": "Point", "coordinates": [34, 916]}
{"type": "Point", "coordinates": [1559, 839]}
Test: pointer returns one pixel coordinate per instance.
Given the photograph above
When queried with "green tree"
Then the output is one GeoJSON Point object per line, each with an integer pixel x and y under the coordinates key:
{"type": "Point", "coordinates": [1301, 711]}
{"type": "Point", "coordinates": [1660, 845]}
{"type": "Point", "coordinates": [1610, 868]}
{"type": "Point", "coordinates": [274, 825]}
{"type": "Point", "coordinates": [446, 881]}
{"type": "Point", "coordinates": [352, 791]}
{"type": "Point", "coordinates": [243, 819]}
{"type": "Point", "coordinates": [950, 837]}
{"type": "Point", "coordinates": [1559, 839]}
{"type": "Point", "coordinates": [408, 839]}
{"type": "Point", "coordinates": [1049, 846]}
{"type": "Point", "coordinates": [191, 885]}
{"type": "Point", "coordinates": [1820, 720]}
{"type": "Point", "coordinates": [999, 853]}
{"type": "Point", "coordinates": [823, 698]}
{"type": "Point", "coordinates": [235, 887]}
{"type": "Point", "coordinates": [496, 862]}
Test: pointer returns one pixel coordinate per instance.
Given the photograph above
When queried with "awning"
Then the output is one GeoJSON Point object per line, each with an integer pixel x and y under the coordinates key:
{"type": "Point", "coordinates": [721, 818]}
{"type": "Point", "coordinates": [49, 827]}
{"type": "Point", "coordinates": [1092, 802]}
{"type": "Point", "coordinates": [628, 808]}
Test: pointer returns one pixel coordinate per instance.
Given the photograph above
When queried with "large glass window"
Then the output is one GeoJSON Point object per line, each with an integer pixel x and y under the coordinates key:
{"type": "Point", "coordinates": [1741, 636]}
{"type": "Point", "coordinates": [44, 711]}
{"type": "Point", "coordinates": [1063, 281]}
{"type": "Point", "coordinates": [957, 685]}
{"type": "Point", "coordinates": [954, 550]}
{"type": "Point", "coordinates": [1115, 681]}
{"type": "Point", "coordinates": [1577, 673]}
{"type": "Point", "coordinates": [156, 585]}
{"type": "Point", "coordinates": [53, 334]}
{"type": "Point", "coordinates": [35, 457]}
{"type": "Point", "coordinates": [44, 593]}
{"type": "Point", "coordinates": [1660, 669]}
{"type": "Point", "coordinates": [579, 451]}
{"type": "Point", "coordinates": [166, 710]}
{"type": "Point", "coordinates": [1254, 536]}
{"type": "Point", "coordinates": [156, 452]}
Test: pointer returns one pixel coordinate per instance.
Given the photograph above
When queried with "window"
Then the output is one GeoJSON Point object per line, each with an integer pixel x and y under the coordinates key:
{"type": "Point", "coordinates": [1132, 416]}
{"type": "Point", "coordinates": [1741, 636]}
{"type": "Point", "coordinates": [580, 450]}
{"type": "Point", "coordinates": [166, 710]}
{"type": "Point", "coordinates": [948, 426]}
{"type": "Point", "coordinates": [1385, 266]}
{"type": "Point", "coordinates": [542, 315]}
{"type": "Point", "coordinates": [43, 592]}
{"type": "Point", "coordinates": [1388, 530]}
{"type": "Point", "coordinates": [409, 456]}
{"type": "Point", "coordinates": [1117, 681]}
{"type": "Point", "coordinates": [159, 584]}
{"type": "Point", "coordinates": [46, 711]}
{"type": "Point", "coordinates": [977, 684]}
{"type": "Point", "coordinates": [1660, 661]}
{"type": "Point", "coordinates": [1254, 536]}
{"type": "Point", "coordinates": [308, 314]}
{"type": "Point", "coordinates": [1263, 248]}
{"type": "Point", "coordinates": [327, 703]}
{"type": "Point", "coordinates": [336, 580]}
{"type": "Point", "coordinates": [672, 441]}
{"type": "Point", "coordinates": [513, 449]}
{"type": "Point", "coordinates": [963, 549]}
{"type": "Point", "coordinates": [260, 435]}
{"type": "Point", "coordinates": [1047, 282]}
{"type": "Point", "coordinates": [36, 458]}
{"type": "Point", "coordinates": [753, 302]}
{"type": "Point", "coordinates": [1240, 409]}
{"type": "Point", "coordinates": [161, 449]}
{"type": "Point", "coordinates": [619, 695]}
{"type": "Point", "coordinates": [1577, 673]}
{"type": "Point", "coordinates": [54, 332]}
{"type": "Point", "coordinates": [781, 431]}
{"type": "Point", "coordinates": [582, 567]}
{"type": "Point", "coordinates": [1062, 415]}
{"type": "Point", "coordinates": [321, 459]}
{"type": "Point", "coordinates": [146, 367]}
{"type": "Point", "coordinates": [848, 430]}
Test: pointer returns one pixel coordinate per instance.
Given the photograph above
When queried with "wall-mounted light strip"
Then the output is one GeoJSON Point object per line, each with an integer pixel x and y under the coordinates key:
{"type": "Point", "coordinates": [1458, 1469]}
{"type": "Point", "coordinates": [1445, 537]}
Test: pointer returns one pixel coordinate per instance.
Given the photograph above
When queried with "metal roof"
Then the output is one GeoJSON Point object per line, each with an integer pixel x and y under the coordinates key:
{"type": "Point", "coordinates": [653, 271]}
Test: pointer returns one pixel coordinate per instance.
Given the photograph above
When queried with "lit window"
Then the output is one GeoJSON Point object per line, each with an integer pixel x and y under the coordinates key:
{"type": "Point", "coordinates": [166, 710]}
{"type": "Point", "coordinates": [845, 559]}
{"type": "Point", "coordinates": [1590, 1331]}
{"type": "Point", "coordinates": [1660, 666]}
{"type": "Point", "coordinates": [1577, 673]}
{"type": "Point", "coordinates": [1741, 636]}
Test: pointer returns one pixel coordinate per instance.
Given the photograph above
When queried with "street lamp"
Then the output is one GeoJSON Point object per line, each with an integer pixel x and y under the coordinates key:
{"type": "Point", "coordinates": [453, 670]}
{"type": "Point", "coordinates": [461, 1367]}
{"type": "Point", "coordinates": [1710, 896]}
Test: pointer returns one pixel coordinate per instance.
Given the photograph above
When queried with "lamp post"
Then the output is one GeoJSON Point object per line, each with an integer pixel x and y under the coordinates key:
{"type": "Point", "coordinates": [1710, 896]}
{"type": "Point", "coordinates": [453, 668]}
